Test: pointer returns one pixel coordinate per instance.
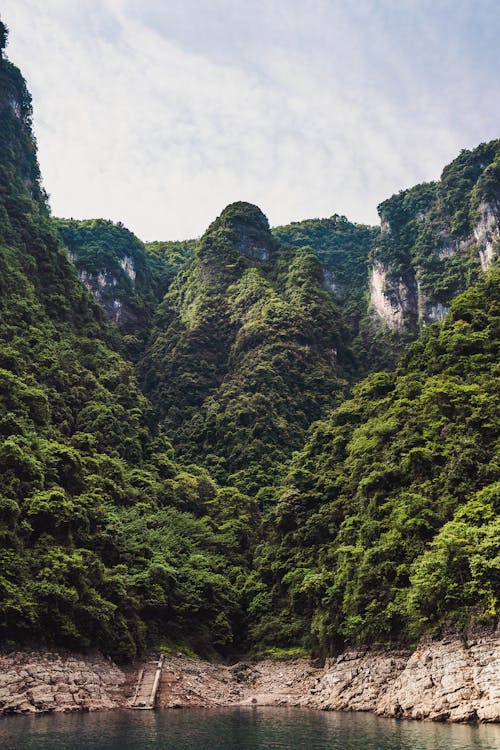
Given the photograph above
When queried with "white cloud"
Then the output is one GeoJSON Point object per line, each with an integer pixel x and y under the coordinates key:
{"type": "Point", "coordinates": [305, 114]}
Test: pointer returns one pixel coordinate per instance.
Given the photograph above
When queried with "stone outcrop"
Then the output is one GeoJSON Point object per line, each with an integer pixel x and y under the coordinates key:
{"type": "Point", "coordinates": [455, 678]}
{"type": "Point", "coordinates": [409, 302]}
{"type": "Point", "coordinates": [35, 682]}
{"type": "Point", "coordinates": [487, 234]}
{"type": "Point", "coordinates": [452, 679]}
{"type": "Point", "coordinates": [391, 301]}
{"type": "Point", "coordinates": [188, 682]}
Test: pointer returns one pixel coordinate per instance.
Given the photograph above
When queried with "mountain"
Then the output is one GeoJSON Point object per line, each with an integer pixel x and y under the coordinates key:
{"type": "Point", "coordinates": [106, 541]}
{"type": "Point", "coordinates": [126, 278]}
{"type": "Point", "coordinates": [436, 240]}
{"type": "Point", "coordinates": [190, 452]}
{"type": "Point", "coordinates": [248, 348]}
{"type": "Point", "coordinates": [343, 249]}
{"type": "Point", "coordinates": [388, 521]}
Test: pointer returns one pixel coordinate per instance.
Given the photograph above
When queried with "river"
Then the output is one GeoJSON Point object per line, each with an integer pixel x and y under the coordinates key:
{"type": "Point", "coordinates": [238, 729]}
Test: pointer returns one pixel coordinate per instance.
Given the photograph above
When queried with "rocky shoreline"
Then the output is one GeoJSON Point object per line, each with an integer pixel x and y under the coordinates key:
{"type": "Point", "coordinates": [456, 678]}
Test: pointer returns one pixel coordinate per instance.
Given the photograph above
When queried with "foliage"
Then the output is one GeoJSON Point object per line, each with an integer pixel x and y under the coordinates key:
{"type": "Point", "coordinates": [342, 249]}
{"type": "Point", "coordinates": [106, 540]}
{"type": "Point", "coordinates": [388, 521]}
{"type": "Point", "coordinates": [247, 350]}
{"type": "Point", "coordinates": [126, 278]}
{"type": "Point", "coordinates": [428, 246]}
{"type": "Point", "coordinates": [382, 525]}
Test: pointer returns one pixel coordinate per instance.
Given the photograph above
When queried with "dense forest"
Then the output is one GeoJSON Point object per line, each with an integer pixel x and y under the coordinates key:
{"type": "Point", "coordinates": [241, 443]}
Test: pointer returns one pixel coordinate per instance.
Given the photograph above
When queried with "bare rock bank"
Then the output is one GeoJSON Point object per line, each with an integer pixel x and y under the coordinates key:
{"type": "Point", "coordinates": [452, 679]}
{"type": "Point", "coordinates": [455, 678]}
{"type": "Point", "coordinates": [43, 681]}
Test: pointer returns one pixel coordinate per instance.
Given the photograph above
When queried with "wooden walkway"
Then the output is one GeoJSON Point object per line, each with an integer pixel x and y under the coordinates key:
{"type": "Point", "coordinates": [147, 686]}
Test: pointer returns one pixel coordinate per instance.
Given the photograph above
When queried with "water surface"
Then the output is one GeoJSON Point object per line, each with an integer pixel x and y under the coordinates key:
{"type": "Point", "coordinates": [238, 729]}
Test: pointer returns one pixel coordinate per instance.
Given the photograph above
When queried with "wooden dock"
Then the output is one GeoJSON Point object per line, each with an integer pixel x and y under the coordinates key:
{"type": "Point", "coordinates": [147, 686]}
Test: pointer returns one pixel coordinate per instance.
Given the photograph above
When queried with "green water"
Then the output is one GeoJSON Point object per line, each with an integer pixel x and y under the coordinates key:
{"type": "Point", "coordinates": [238, 729]}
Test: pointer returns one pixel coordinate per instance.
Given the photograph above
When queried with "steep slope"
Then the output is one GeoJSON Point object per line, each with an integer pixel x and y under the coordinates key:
{"type": "Point", "coordinates": [105, 541]}
{"type": "Point", "coordinates": [247, 350]}
{"type": "Point", "coordinates": [343, 249]}
{"type": "Point", "coordinates": [388, 523]}
{"type": "Point", "coordinates": [384, 525]}
{"type": "Point", "coordinates": [436, 240]}
{"type": "Point", "coordinates": [125, 277]}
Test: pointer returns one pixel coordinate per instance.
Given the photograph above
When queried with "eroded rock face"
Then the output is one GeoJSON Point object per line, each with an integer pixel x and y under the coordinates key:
{"type": "Point", "coordinates": [33, 682]}
{"type": "Point", "coordinates": [448, 680]}
{"type": "Point", "coordinates": [391, 301]}
{"type": "Point", "coordinates": [487, 234]}
{"type": "Point", "coordinates": [102, 287]}
{"type": "Point", "coordinates": [452, 679]}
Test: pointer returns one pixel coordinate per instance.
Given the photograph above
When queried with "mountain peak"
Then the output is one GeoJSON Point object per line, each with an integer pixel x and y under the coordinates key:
{"type": "Point", "coordinates": [249, 228]}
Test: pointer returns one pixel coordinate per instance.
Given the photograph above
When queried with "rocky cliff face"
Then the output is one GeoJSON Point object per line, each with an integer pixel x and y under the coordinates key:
{"type": "Point", "coordinates": [451, 679]}
{"type": "Point", "coordinates": [398, 302]}
{"type": "Point", "coordinates": [116, 269]}
{"type": "Point", "coordinates": [435, 241]}
{"type": "Point", "coordinates": [46, 682]}
{"type": "Point", "coordinates": [487, 233]}
{"type": "Point", "coordinates": [102, 286]}
{"type": "Point", "coordinates": [391, 299]}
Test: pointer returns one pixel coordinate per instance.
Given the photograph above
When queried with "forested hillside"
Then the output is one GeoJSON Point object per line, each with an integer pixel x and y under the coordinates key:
{"type": "Point", "coordinates": [197, 461]}
{"type": "Point", "coordinates": [436, 240]}
{"type": "Point", "coordinates": [105, 540]}
{"type": "Point", "coordinates": [388, 523]}
{"type": "Point", "coordinates": [247, 350]}
{"type": "Point", "coordinates": [343, 249]}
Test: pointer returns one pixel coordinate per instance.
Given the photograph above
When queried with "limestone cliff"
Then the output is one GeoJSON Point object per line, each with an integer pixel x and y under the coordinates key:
{"type": "Point", "coordinates": [452, 679]}
{"type": "Point", "coordinates": [455, 678]}
{"type": "Point", "coordinates": [435, 241]}
{"type": "Point", "coordinates": [112, 263]}
{"type": "Point", "coordinates": [46, 682]}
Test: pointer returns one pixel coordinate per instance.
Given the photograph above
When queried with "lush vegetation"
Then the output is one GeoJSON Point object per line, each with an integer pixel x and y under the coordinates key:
{"type": "Point", "coordinates": [428, 245]}
{"type": "Point", "coordinates": [388, 521]}
{"type": "Point", "coordinates": [128, 523]}
{"type": "Point", "coordinates": [343, 250]}
{"type": "Point", "coordinates": [105, 539]}
{"type": "Point", "coordinates": [247, 350]}
{"type": "Point", "coordinates": [127, 278]}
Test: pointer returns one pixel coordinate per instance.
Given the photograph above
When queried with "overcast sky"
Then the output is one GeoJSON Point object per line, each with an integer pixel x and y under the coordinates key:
{"type": "Point", "coordinates": [158, 113]}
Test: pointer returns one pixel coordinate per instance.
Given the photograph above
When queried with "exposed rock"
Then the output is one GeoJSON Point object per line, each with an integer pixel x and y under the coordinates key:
{"type": "Point", "coordinates": [452, 679]}
{"type": "Point", "coordinates": [32, 682]}
{"type": "Point", "coordinates": [442, 680]}
{"type": "Point", "coordinates": [487, 234]}
{"type": "Point", "coordinates": [392, 302]}
{"type": "Point", "coordinates": [128, 266]}
{"type": "Point", "coordinates": [437, 312]}
{"type": "Point", "coordinates": [186, 682]}
{"type": "Point", "coordinates": [330, 283]}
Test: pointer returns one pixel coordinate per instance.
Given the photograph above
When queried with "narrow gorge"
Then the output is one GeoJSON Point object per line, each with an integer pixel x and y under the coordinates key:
{"type": "Point", "coordinates": [271, 454]}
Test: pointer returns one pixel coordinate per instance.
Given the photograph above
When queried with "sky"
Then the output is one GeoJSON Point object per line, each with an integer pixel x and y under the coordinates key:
{"type": "Point", "coordinates": [158, 113]}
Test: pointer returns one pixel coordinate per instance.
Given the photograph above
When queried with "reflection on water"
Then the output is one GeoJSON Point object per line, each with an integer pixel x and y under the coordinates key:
{"type": "Point", "coordinates": [238, 729]}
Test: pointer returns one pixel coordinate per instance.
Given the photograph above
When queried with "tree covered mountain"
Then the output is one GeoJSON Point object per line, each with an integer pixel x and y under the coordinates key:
{"type": "Point", "coordinates": [189, 449]}
{"type": "Point", "coordinates": [126, 278]}
{"type": "Point", "coordinates": [436, 240]}
{"type": "Point", "coordinates": [105, 540]}
{"type": "Point", "coordinates": [388, 521]}
{"type": "Point", "coordinates": [247, 350]}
